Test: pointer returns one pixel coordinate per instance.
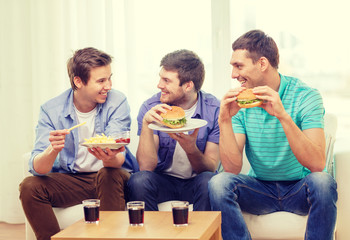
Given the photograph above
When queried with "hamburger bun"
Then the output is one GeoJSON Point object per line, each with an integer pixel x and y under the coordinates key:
{"type": "Point", "coordinates": [247, 99]}
{"type": "Point", "coordinates": [174, 118]}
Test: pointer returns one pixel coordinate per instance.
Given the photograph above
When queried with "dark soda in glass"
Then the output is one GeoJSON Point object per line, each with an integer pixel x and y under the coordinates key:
{"type": "Point", "coordinates": [92, 214]}
{"type": "Point", "coordinates": [136, 215]}
{"type": "Point", "coordinates": [180, 215]}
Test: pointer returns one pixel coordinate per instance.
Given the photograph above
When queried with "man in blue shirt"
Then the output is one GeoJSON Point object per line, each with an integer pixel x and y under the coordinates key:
{"type": "Point", "coordinates": [65, 173]}
{"type": "Point", "coordinates": [284, 143]}
{"type": "Point", "coordinates": [177, 166]}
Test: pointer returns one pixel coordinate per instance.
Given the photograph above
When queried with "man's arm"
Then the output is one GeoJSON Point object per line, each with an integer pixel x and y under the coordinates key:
{"type": "Point", "coordinates": [231, 145]}
{"type": "Point", "coordinates": [110, 158]}
{"type": "Point", "coordinates": [308, 146]}
{"type": "Point", "coordinates": [231, 148]}
{"type": "Point", "coordinates": [200, 162]}
{"type": "Point", "coordinates": [147, 150]}
{"type": "Point", "coordinates": [44, 161]}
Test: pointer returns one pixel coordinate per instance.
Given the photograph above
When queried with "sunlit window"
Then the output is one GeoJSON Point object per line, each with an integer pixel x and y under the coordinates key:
{"type": "Point", "coordinates": [157, 27]}
{"type": "Point", "coordinates": [314, 45]}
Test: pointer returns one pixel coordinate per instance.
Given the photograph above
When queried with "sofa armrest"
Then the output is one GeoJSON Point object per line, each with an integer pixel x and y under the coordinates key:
{"type": "Point", "coordinates": [342, 166]}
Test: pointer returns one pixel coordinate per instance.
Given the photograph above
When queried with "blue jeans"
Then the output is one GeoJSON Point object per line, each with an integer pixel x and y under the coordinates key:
{"type": "Point", "coordinates": [315, 195]}
{"type": "Point", "coordinates": [155, 187]}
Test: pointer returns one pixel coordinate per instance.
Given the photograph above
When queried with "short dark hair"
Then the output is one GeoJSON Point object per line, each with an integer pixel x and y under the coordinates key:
{"type": "Point", "coordinates": [83, 60]}
{"type": "Point", "coordinates": [258, 44]}
{"type": "Point", "coordinates": [188, 66]}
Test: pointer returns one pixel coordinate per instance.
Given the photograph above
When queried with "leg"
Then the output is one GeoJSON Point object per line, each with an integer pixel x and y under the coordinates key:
{"type": "Point", "coordinates": [231, 194]}
{"type": "Point", "coordinates": [197, 189]}
{"type": "Point", "coordinates": [39, 194]}
{"type": "Point", "coordinates": [152, 188]}
{"type": "Point", "coordinates": [223, 198]}
{"type": "Point", "coordinates": [110, 188]}
{"type": "Point", "coordinates": [322, 196]}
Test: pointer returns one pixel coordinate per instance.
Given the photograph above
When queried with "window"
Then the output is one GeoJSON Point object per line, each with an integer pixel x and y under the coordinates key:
{"type": "Point", "coordinates": [157, 27]}
{"type": "Point", "coordinates": [312, 42]}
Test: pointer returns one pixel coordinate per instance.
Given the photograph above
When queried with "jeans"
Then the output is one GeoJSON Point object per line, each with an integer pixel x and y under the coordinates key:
{"type": "Point", "coordinates": [155, 187]}
{"type": "Point", "coordinates": [39, 194]}
{"type": "Point", "coordinates": [315, 195]}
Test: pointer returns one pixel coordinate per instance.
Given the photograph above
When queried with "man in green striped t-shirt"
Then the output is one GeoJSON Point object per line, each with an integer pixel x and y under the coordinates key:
{"type": "Point", "coordinates": [284, 143]}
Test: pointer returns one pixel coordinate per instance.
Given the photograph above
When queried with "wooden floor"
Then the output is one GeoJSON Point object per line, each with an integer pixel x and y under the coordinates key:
{"type": "Point", "coordinates": [12, 231]}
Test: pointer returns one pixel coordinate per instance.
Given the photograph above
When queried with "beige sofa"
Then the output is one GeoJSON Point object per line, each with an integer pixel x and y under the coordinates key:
{"type": "Point", "coordinates": [279, 225]}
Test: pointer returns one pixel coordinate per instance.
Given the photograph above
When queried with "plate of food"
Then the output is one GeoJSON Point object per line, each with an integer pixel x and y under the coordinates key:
{"type": "Point", "coordinates": [191, 124]}
{"type": "Point", "coordinates": [104, 145]}
{"type": "Point", "coordinates": [104, 142]}
{"type": "Point", "coordinates": [174, 121]}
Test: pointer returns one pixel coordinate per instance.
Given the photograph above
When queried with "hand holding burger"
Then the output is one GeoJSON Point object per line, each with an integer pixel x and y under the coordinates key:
{"type": "Point", "coordinates": [247, 99]}
{"type": "Point", "coordinates": [174, 118]}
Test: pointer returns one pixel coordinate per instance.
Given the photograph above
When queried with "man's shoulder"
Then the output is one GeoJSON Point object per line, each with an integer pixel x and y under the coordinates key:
{"type": "Point", "coordinates": [299, 88]}
{"type": "Point", "coordinates": [152, 101]}
{"type": "Point", "coordinates": [209, 99]}
{"type": "Point", "coordinates": [297, 84]}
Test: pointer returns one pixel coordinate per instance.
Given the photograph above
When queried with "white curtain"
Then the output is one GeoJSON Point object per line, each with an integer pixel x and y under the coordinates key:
{"type": "Point", "coordinates": [37, 37]}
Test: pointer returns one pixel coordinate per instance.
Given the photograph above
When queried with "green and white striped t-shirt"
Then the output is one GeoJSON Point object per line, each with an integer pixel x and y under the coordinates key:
{"type": "Point", "coordinates": [267, 147]}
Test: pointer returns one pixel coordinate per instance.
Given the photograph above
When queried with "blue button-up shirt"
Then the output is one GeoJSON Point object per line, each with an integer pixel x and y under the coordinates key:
{"type": "Point", "coordinates": [58, 113]}
{"type": "Point", "coordinates": [207, 108]}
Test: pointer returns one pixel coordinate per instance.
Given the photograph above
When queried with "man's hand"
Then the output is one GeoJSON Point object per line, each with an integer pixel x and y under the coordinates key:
{"type": "Point", "coordinates": [107, 156]}
{"type": "Point", "coordinates": [57, 139]}
{"type": "Point", "coordinates": [186, 141]}
{"type": "Point", "coordinates": [153, 115]}
{"type": "Point", "coordinates": [229, 106]}
{"type": "Point", "coordinates": [272, 101]}
{"type": "Point", "coordinates": [44, 161]}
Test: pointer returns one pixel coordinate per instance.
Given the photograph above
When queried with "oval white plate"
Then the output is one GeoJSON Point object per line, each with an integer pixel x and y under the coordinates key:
{"type": "Point", "coordinates": [191, 124]}
{"type": "Point", "coordinates": [104, 145]}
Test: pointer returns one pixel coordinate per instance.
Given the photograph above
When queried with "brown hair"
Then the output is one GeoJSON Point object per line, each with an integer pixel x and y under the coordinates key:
{"type": "Point", "coordinates": [188, 66]}
{"type": "Point", "coordinates": [258, 44]}
{"type": "Point", "coordinates": [83, 60]}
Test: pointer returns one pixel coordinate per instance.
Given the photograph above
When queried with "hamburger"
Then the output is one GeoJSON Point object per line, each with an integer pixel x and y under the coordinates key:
{"type": "Point", "coordinates": [247, 99]}
{"type": "Point", "coordinates": [174, 118]}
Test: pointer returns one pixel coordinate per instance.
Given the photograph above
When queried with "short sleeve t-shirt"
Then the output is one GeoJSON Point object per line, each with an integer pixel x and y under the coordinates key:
{"type": "Point", "coordinates": [267, 147]}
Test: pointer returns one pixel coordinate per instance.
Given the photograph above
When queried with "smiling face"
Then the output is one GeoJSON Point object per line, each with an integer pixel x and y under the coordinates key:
{"type": "Point", "coordinates": [171, 91]}
{"type": "Point", "coordinates": [245, 70]}
{"type": "Point", "coordinates": [86, 97]}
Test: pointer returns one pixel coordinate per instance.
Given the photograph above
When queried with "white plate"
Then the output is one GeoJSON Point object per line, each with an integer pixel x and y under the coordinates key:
{"type": "Point", "coordinates": [191, 124]}
{"type": "Point", "coordinates": [104, 145]}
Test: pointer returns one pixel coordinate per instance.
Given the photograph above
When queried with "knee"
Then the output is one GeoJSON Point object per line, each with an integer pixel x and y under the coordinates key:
{"type": "Point", "coordinates": [140, 180]}
{"type": "Point", "coordinates": [29, 187]}
{"type": "Point", "coordinates": [204, 177]}
{"type": "Point", "coordinates": [218, 183]}
{"type": "Point", "coordinates": [112, 175]}
{"type": "Point", "coordinates": [322, 183]}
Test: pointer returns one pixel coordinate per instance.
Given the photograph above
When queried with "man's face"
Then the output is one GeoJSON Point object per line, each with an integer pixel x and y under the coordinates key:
{"type": "Point", "coordinates": [244, 70]}
{"type": "Point", "coordinates": [169, 84]}
{"type": "Point", "coordinates": [98, 85]}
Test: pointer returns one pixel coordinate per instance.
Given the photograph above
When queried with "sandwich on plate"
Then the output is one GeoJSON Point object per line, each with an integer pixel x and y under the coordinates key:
{"type": "Point", "coordinates": [174, 118]}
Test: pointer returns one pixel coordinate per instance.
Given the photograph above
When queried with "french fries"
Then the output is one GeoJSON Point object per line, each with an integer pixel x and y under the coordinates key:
{"type": "Point", "coordinates": [99, 139]}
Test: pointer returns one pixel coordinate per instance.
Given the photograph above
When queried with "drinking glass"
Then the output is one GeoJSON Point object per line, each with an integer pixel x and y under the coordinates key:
{"type": "Point", "coordinates": [91, 210]}
{"type": "Point", "coordinates": [180, 213]}
{"type": "Point", "coordinates": [136, 212]}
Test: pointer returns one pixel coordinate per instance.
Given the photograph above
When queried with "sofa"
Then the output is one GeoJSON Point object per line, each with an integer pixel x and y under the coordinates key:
{"type": "Point", "coordinates": [279, 225]}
